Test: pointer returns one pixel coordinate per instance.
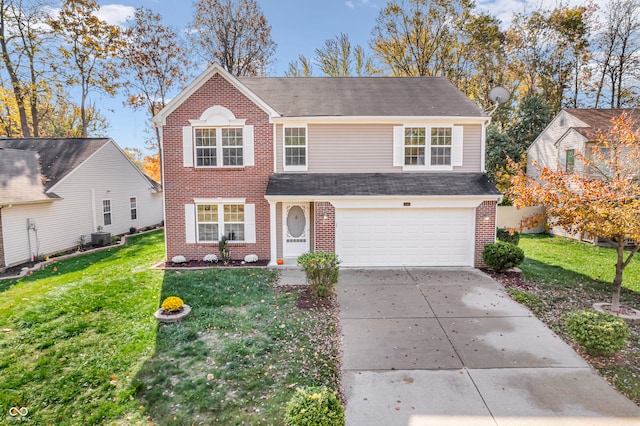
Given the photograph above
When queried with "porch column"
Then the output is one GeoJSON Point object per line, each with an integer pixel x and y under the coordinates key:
{"type": "Point", "coordinates": [273, 233]}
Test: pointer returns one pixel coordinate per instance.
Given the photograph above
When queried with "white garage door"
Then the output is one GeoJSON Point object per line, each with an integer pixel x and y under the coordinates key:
{"type": "Point", "coordinates": [405, 237]}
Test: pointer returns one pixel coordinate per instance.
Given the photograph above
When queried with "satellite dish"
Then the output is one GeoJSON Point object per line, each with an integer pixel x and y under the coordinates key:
{"type": "Point", "coordinates": [499, 95]}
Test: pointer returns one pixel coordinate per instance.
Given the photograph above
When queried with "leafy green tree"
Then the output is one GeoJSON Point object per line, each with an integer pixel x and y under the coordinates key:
{"type": "Point", "coordinates": [530, 118]}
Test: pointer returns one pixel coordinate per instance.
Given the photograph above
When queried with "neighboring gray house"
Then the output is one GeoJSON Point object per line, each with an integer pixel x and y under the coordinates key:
{"type": "Point", "coordinates": [52, 191]}
{"type": "Point", "coordinates": [381, 170]}
{"type": "Point", "coordinates": [571, 131]}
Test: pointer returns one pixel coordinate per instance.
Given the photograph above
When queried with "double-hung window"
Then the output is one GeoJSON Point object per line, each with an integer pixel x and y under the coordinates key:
{"type": "Point", "coordinates": [441, 146]}
{"type": "Point", "coordinates": [414, 146]}
{"type": "Point", "coordinates": [295, 148]}
{"type": "Point", "coordinates": [217, 220]}
{"type": "Point", "coordinates": [218, 146]}
{"type": "Point", "coordinates": [133, 206]}
{"type": "Point", "coordinates": [427, 147]}
{"type": "Point", "coordinates": [106, 212]}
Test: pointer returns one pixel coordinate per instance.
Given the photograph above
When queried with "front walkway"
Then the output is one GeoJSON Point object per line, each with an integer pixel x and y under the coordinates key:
{"type": "Point", "coordinates": [449, 347]}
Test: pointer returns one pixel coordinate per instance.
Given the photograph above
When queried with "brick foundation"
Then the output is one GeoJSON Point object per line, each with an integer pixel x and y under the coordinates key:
{"type": "Point", "coordinates": [485, 229]}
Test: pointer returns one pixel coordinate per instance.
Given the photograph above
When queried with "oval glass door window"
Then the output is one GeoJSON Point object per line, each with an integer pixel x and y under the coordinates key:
{"type": "Point", "coordinates": [296, 222]}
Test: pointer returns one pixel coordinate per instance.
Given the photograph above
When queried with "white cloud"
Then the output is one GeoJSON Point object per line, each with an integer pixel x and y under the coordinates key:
{"type": "Point", "coordinates": [115, 14]}
{"type": "Point", "coordinates": [350, 4]}
{"type": "Point", "coordinates": [504, 9]}
{"type": "Point", "coordinates": [353, 4]}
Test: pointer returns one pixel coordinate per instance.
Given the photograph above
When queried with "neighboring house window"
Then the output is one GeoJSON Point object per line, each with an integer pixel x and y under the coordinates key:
{"type": "Point", "coordinates": [570, 160]}
{"type": "Point", "coordinates": [210, 153]}
{"type": "Point", "coordinates": [295, 147]}
{"type": "Point", "coordinates": [212, 224]}
{"type": "Point", "coordinates": [441, 146]}
{"type": "Point", "coordinates": [414, 146]}
{"type": "Point", "coordinates": [106, 212]}
{"type": "Point", "coordinates": [133, 204]}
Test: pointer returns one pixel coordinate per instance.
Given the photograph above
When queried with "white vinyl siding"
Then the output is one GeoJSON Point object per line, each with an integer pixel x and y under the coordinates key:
{"type": "Point", "coordinates": [106, 175]}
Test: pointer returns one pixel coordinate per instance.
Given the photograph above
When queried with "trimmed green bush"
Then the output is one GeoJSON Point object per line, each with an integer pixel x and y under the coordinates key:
{"type": "Point", "coordinates": [321, 269]}
{"type": "Point", "coordinates": [600, 333]}
{"type": "Point", "coordinates": [501, 256]}
{"type": "Point", "coordinates": [314, 406]}
{"type": "Point", "coordinates": [506, 236]}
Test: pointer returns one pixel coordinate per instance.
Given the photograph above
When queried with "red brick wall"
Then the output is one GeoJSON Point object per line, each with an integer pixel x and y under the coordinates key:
{"type": "Point", "coordinates": [183, 184]}
{"type": "Point", "coordinates": [485, 229]}
{"type": "Point", "coordinates": [2, 264]}
{"type": "Point", "coordinates": [325, 229]}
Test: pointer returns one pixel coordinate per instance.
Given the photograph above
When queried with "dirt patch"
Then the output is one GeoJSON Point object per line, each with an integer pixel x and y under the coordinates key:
{"type": "Point", "coordinates": [307, 300]}
{"type": "Point", "coordinates": [510, 279]}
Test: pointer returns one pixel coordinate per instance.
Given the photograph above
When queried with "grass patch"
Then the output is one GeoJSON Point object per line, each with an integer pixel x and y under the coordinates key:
{"type": "Point", "coordinates": [80, 344]}
{"type": "Point", "coordinates": [566, 275]}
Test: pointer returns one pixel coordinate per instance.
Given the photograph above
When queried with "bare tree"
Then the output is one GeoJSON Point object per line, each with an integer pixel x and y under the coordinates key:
{"type": "Point", "coordinates": [89, 48]}
{"type": "Point", "coordinates": [233, 33]}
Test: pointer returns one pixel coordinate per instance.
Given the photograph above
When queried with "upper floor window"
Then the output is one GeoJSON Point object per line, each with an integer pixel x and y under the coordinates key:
{"type": "Point", "coordinates": [441, 146]}
{"type": "Point", "coordinates": [106, 212]}
{"type": "Point", "coordinates": [295, 148]}
{"type": "Point", "coordinates": [133, 205]}
{"type": "Point", "coordinates": [218, 147]}
{"type": "Point", "coordinates": [427, 147]}
{"type": "Point", "coordinates": [570, 160]}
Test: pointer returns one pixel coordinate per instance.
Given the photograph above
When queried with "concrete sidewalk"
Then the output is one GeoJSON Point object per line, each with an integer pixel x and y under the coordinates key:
{"type": "Point", "coordinates": [450, 347]}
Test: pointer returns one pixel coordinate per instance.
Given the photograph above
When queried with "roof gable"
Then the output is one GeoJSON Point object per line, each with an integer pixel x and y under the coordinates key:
{"type": "Point", "coordinates": [600, 119]}
{"type": "Point", "coordinates": [58, 156]}
{"type": "Point", "coordinates": [20, 178]}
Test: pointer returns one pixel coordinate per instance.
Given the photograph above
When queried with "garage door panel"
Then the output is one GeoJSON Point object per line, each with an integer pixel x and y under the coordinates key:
{"type": "Point", "coordinates": [401, 237]}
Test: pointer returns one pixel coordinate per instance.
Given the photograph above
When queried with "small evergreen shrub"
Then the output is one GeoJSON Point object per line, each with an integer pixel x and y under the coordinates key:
{"type": "Point", "coordinates": [172, 304]}
{"type": "Point", "coordinates": [132, 230]}
{"type": "Point", "coordinates": [225, 254]}
{"type": "Point", "coordinates": [321, 269]}
{"type": "Point", "coordinates": [506, 236]}
{"type": "Point", "coordinates": [501, 256]}
{"type": "Point", "coordinates": [314, 406]}
{"type": "Point", "coordinates": [600, 333]}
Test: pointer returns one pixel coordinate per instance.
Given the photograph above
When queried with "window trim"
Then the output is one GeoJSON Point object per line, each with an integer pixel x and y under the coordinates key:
{"type": "Point", "coordinates": [220, 204]}
{"type": "Point", "coordinates": [219, 147]}
{"type": "Point", "coordinates": [106, 212]}
{"type": "Point", "coordinates": [133, 207]}
{"type": "Point", "coordinates": [297, 168]}
{"type": "Point", "coordinates": [427, 156]}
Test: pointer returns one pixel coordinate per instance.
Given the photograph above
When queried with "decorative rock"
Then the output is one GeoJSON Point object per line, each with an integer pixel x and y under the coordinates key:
{"type": "Point", "coordinates": [179, 259]}
{"type": "Point", "coordinates": [251, 258]}
{"type": "Point", "coordinates": [211, 258]}
{"type": "Point", "coordinates": [165, 317]}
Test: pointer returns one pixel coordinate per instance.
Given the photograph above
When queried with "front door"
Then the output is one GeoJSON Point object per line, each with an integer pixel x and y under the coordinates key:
{"type": "Point", "coordinates": [295, 228]}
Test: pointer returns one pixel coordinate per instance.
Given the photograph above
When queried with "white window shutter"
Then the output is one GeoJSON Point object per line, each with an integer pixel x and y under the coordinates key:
{"type": "Point", "coordinates": [398, 146]}
{"type": "Point", "coordinates": [187, 146]}
{"type": "Point", "coordinates": [190, 223]}
{"type": "Point", "coordinates": [248, 145]}
{"type": "Point", "coordinates": [457, 148]}
{"type": "Point", "coordinates": [250, 223]}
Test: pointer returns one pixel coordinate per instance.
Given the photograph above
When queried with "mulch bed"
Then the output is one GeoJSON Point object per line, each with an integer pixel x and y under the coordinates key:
{"type": "Point", "coordinates": [510, 279]}
{"type": "Point", "coordinates": [306, 299]}
{"type": "Point", "coordinates": [199, 264]}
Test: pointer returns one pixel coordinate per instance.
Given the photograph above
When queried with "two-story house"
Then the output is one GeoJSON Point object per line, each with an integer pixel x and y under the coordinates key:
{"type": "Point", "coordinates": [384, 171]}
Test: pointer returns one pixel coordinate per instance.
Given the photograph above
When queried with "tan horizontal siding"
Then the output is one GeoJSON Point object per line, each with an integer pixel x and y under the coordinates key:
{"type": "Point", "coordinates": [471, 149]}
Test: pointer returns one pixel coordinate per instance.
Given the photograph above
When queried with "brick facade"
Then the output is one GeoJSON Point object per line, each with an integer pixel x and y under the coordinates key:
{"type": "Point", "coordinates": [183, 184]}
{"type": "Point", "coordinates": [325, 227]}
{"type": "Point", "coordinates": [485, 229]}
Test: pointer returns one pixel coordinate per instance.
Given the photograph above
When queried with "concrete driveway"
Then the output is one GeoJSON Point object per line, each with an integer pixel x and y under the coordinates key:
{"type": "Point", "coordinates": [449, 347]}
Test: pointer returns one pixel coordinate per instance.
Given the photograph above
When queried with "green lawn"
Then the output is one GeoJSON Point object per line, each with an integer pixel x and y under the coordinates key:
{"type": "Point", "coordinates": [568, 275]}
{"type": "Point", "coordinates": [79, 344]}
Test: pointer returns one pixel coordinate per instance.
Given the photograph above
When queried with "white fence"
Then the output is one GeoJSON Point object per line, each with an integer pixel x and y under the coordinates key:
{"type": "Point", "coordinates": [510, 217]}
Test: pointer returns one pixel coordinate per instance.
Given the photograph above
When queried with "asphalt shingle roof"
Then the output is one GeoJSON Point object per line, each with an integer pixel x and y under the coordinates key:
{"type": "Point", "coordinates": [362, 96]}
{"type": "Point", "coordinates": [600, 119]}
{"type": "Point", "coordinates": [58, 156]}
{"type": "Point", "coordinates": [380, 184]}
{"type": "Point", "coordinates": [20, 178]}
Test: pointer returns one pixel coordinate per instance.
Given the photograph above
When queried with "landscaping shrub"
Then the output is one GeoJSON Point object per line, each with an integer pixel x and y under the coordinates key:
{"type": "Point", "coordinates": [225, 254]}
{"type": "Point", "coordinates": [506, 236]}
{"type": "Point", "coordinates": [501, 256]}
{"type": "Point", "coordinates": [132, 230]}
{"type": "Point", "coordinates": [600, 333]}
{"type": "Point", "coordinates": [321, 269]}
{"type": "Point", "coordinates": [314, 406]}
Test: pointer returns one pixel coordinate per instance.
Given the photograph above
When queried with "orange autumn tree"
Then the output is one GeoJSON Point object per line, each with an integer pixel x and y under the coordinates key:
{"type": "Point", "coordinates": [601, 197]}
{"type": "Point", "coordinates": [151, 167]}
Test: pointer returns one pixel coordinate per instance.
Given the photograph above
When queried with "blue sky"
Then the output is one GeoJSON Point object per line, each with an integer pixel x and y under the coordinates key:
{"type": "Point", "coordinates": [298, 27]}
